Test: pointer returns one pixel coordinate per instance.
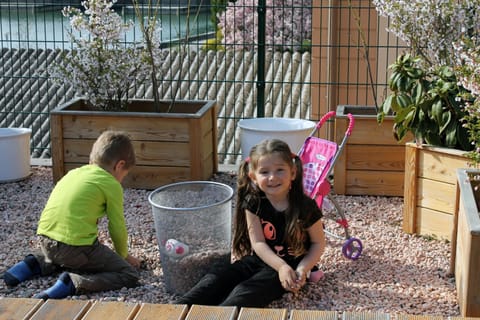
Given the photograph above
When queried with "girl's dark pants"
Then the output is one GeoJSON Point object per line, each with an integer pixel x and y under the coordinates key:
{"type": "Point", "coordinates": [248, 282]}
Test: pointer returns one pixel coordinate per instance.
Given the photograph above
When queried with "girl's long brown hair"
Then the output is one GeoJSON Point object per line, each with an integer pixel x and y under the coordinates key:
{"type": "Point", "coordinates": [293, 234]}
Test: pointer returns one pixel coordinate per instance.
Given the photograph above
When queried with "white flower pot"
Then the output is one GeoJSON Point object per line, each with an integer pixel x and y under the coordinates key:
{"type": "Point", "coordinates": [292, 131]}
{"type": "Point", "coordinates": [14, 153]}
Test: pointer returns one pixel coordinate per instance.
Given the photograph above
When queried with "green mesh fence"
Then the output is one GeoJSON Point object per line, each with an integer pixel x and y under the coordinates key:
{"type": "Point", "coordinates": [267, 58]}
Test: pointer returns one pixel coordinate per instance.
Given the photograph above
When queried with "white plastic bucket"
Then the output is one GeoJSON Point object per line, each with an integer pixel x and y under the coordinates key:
{"type": "Point", "coordinates": [292, 131]}
{"type": "Point", "coordinates": [14, 153]}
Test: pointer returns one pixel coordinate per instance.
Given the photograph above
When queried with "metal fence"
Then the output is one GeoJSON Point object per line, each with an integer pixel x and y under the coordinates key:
{"type": "Point", "coordinates": [295, 59]}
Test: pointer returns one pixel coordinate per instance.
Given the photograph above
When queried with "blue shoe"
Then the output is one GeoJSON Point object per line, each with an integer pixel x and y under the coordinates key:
{"type": "Point", "coordinates": [63, 288]}
{"type": "Point", "coordinates": [22, 271]}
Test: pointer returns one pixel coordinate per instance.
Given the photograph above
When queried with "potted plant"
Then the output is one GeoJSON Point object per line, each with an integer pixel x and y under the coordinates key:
{"type": "Point", "coordinates": [428, 103]}
{"type": "Point", "coordinates": [174, 140]}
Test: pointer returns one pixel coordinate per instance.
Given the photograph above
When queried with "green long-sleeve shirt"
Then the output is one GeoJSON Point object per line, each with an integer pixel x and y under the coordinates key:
{"type": "Point", "coordinates": [78, 201]}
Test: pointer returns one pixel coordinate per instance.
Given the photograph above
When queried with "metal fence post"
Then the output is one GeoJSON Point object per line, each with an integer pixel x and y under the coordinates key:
{"type": "Point", "coordinates": [261, 9]}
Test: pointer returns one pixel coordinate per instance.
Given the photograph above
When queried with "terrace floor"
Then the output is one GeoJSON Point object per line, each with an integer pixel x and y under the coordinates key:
{"type": "Point", "coordinates": [397, 273]}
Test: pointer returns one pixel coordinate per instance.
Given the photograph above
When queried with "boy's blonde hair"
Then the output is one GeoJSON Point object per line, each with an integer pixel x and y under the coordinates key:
{"type": "Point", "coordinates": [111, 147]}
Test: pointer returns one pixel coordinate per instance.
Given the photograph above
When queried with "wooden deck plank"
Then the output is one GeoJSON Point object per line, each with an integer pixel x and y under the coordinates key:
{"type": "Point", "coordinates": [62, 309]}
{"type": "Point", "coordinates": [418, 317]}
{"type": "Point", "coordinates": [18, 308]}
{"type": "Point", "coordinates": [150, 311]}
{"type": "Point", "coordinates": [199, 312]}
{"type": "Point", "coordinates": [261, 313]}
{"type": "Point", "coordinates": [111, 310]}
{"type": "Point", "coordinates": [313, 315]}
{"type": "Point", "coordinates": [351, 315]}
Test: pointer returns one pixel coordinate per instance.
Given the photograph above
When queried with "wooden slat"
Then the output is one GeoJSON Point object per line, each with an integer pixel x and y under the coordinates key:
{"type": "Point", "coordinates": [418, 317]}
{"type": "Point", "coordinates": [262, 313]}
{"type": "Point", "coordinates": [148, 177]}
{"type": "Point", "coordinates": [467, 277]}
{"type": "Point", "coordinates": [111, 310]}
{"type": "Point", "coordinates": [410, 189]}
{"type": "Point", "coordinates": [362, 134]}
{"type": "Point", "coordinates": [207, 165]}
{"type": "Point", "coordinates": [149, 127]}
{"type": "Point", "coordinates": [376, 158]}
{"type": "Point", "coordinates": [379, 183]}
{"type": "Point", "coordinates": [350, 315]}
{"type": "Point", "coordinates": [441, 163]}
{"type": "Point", "coordinates": [453, 243]}
{"type": "Point", "coordinates": [199, 312]}
{"type": "Point", "coordinates": [62, 309]}
{"type": "Point", "coordinates": [436, 195]}
{"type": "Point", "coordinates": [147, 152]}
{"type": "Point", "coordinates": [433, 222]}
{"type": "Point", "coordinates": [18, 308]}
{"type": "Point", "coordinates": [151, 311]}
{"type": "Point", "coordinates": [56, 132]}
{"type": "Point", "coordinates": [196, 148]}
{"type": "Point", "coordinates": [313, 315]}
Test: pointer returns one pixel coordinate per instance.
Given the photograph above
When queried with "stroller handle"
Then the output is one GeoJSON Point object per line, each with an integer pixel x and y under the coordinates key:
{"type": "Point", "coordinates": [351, 122]}
{"type": "Point", "coordinates": [331, 114]}
{"type": "Point", "coordinates": [324, 119]}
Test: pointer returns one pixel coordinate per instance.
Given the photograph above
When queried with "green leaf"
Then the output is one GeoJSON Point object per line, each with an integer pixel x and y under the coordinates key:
{"type": "Point", "coordinates": [445, 122]}
{"type": "Point", "coordinates": [418, 92]}
{"type": "Point", "coordinates": [380, 116]}
{"type": "Point", "coordinates": [404, 100]}
{"type": "Point", "coordinates": [387, 104]}
{"type": "Point", "coordinates": [393, 81]}
{"type": "Point", "coordinates": [451, 136]}
{"type": "Point", "coordinates": [437, 111]}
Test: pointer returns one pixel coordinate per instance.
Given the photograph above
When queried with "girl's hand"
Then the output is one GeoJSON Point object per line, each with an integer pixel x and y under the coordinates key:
{"type": "Point", "coordinates": [288, 278]}
{"type": "Point", "coordinates": [134, 262]}
{"type": "Point", "coordinates": [301, 277]}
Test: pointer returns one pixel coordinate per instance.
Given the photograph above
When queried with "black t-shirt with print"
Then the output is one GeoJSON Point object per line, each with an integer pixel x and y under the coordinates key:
{"type": "Point", "coordinates": [273, 223]}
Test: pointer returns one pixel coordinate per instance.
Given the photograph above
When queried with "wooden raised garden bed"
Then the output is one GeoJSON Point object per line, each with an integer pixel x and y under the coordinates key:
{"type": "Point", "coordinates": [372, 162]}
{"type": "Point", "coordinates": [430, 192]}
{"type": "Point", "coordinates": [176, 146]}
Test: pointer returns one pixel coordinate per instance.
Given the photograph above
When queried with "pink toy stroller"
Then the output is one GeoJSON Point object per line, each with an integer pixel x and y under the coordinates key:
{"type": "Point", "coordinates": [318, 157]}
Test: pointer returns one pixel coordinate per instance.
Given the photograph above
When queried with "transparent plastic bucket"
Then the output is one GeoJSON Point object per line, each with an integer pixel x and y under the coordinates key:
{"type": "Point", "coordinates": [193, 225]}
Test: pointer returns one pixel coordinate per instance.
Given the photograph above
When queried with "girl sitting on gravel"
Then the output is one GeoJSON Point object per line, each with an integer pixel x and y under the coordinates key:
{"type": "Point", "coordinates": [278, 234]}
{"type": "Point", "coordinates": [68, 226]}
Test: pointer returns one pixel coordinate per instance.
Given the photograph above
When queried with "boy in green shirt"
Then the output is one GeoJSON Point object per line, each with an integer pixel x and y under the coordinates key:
{"type": "Point", "coordinates": [68, 227]}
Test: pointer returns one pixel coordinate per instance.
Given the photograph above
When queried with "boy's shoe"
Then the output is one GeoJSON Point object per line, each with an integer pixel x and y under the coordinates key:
{"type": "Point", "coordinates": [22, 271]}
{"type": "Point", "coordinates": [63, 288]}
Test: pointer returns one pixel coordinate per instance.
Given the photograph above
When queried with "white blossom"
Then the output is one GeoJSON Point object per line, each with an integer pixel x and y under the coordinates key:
{"type": "Point", "coordinates": [100, 66]}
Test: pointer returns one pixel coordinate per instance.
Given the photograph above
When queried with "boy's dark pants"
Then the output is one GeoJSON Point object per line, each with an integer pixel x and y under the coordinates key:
{"type": "Point", "coordinates": [91, 268]}
{"type": "Point", "coordinates": [248, 282]}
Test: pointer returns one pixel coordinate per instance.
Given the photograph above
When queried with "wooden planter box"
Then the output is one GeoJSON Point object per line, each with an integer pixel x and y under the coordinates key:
{"type": "Point", "coordinates": [466, 245]}
{"type": "Point", "coordinates": [177, 146]}
{"type": "Point", "coordinates": [372, 161]}
{"type": "Point", "coordinates": [430, 192]}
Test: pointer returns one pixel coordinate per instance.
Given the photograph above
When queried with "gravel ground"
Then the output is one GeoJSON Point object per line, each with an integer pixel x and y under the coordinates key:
{"type": "Point", "coordinates": [396, 273]}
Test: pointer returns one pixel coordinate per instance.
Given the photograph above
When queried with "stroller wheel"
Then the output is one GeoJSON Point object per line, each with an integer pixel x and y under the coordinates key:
{"type": "Point", "coordinates": [352, 248]}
